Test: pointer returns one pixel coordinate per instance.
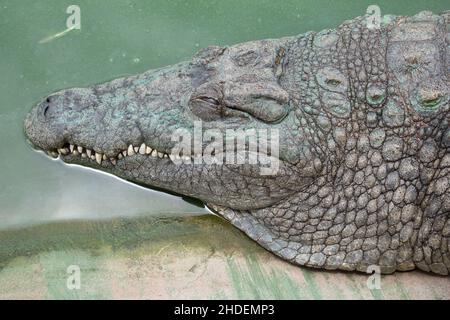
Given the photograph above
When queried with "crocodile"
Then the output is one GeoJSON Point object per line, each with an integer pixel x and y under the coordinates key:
{"type": "Point", "coordinates": [361, 114]}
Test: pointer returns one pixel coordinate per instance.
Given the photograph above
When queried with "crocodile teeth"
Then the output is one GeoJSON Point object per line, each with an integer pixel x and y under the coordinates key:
{"type": "Point", "coordinates": [98, 158]}
{"type": "Point", "coordinates": [130, 150]}
{"type": "Point", "coordinates": [142, 148]}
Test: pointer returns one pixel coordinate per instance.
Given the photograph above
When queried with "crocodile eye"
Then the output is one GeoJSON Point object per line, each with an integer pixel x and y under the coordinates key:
{"type": "Point", "coordinates": [208, 109]}
{"type": "Point", "coordinates": [210, 100]}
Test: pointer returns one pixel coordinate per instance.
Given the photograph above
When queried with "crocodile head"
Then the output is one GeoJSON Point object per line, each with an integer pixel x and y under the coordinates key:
{"type": "Point", "coordinates": [357, 123]}
{"type": "Point", "coordinates": [130, 126]}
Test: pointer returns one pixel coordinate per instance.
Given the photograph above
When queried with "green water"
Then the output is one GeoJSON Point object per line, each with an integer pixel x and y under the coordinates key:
{"type": "Point", "coordinates": [119, 38]}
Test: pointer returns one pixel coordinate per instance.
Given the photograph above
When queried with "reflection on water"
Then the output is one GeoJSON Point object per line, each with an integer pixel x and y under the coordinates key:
{"type": "Point", "coordinates": [74, 192]}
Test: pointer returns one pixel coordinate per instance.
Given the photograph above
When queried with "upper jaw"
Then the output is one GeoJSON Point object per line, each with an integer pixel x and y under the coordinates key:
{"type": "Point", "coordinates": [72, 153]}
{"type": "Point", "coordinates": [82, 141]}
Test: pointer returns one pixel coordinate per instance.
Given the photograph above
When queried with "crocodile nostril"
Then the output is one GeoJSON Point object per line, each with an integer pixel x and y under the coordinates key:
{"type": "Point", "coordinates": [46, 109]}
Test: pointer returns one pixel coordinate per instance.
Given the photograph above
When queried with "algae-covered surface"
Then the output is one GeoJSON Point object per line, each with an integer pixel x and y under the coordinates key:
{"type": "Point", "coordinates": [200, 257]}
{"type": "Point", "coordinates": [147, 244]}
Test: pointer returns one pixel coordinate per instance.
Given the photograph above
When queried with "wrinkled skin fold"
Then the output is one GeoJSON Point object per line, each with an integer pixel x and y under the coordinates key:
{"type": "Point", "coordinates": [363, 121]}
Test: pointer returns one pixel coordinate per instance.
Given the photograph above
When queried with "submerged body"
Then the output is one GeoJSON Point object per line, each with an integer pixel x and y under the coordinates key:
{"type": "Point", "coordinates": [364, 139]}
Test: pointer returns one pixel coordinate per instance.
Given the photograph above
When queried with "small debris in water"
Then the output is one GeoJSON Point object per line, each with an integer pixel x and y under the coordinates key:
{"type": "Point", "coordinates": [57, 35]}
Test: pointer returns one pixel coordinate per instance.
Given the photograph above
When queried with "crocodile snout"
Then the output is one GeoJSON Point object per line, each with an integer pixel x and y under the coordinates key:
{"type": "Point", "coordinates": [48, 122]}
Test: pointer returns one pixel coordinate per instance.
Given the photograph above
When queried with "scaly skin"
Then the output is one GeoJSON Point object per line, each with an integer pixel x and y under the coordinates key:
{"type": "Point", "coordinates": [363, 117]}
